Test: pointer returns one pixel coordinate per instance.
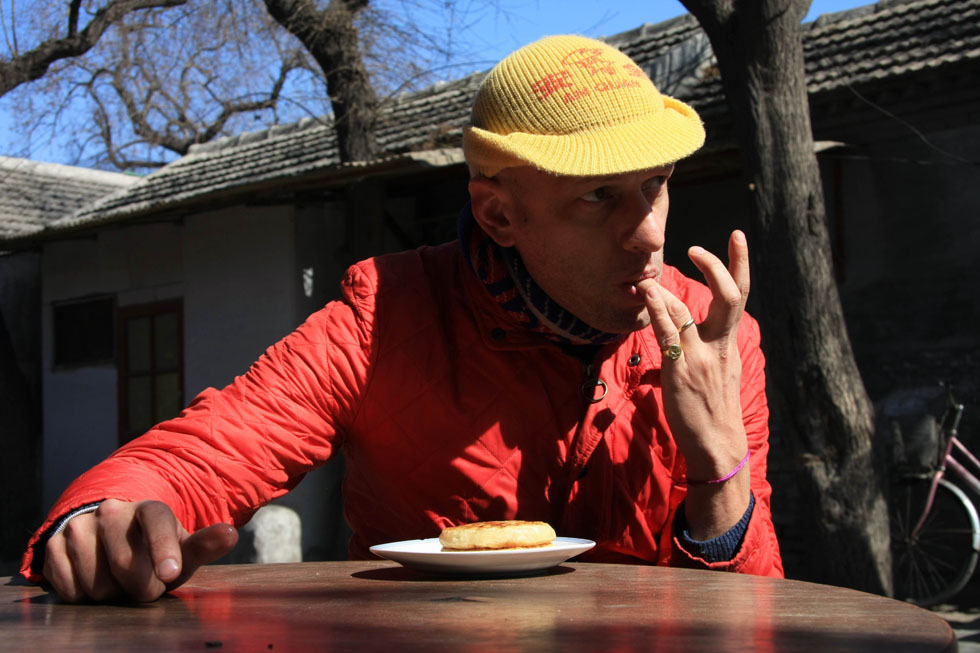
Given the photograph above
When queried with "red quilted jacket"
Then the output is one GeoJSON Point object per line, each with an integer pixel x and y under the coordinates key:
{"type": "Point", "coordinates": [446, 413]}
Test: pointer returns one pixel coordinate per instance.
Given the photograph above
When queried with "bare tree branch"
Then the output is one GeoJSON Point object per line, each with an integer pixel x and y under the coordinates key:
{"type": "Point", "coordinates": [73, 18]}
{"type": "Point", "coordinates": [9, 36]}
{"type": "Point", "coordinates": [32, 65]}
{"type": "Point", "coordinates": [179, 132]}
{"type": "Point", "coordinates": [163, 79]}
{"type": "Point", "coordinates": [101, 116]}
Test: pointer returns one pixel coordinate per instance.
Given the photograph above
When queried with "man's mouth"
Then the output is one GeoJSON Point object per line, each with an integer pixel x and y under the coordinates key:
{"type": "Point", "coordinates": [639, 285]}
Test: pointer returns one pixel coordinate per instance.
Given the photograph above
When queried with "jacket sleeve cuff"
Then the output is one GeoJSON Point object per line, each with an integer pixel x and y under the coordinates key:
{"type": "Point", "coordinates": [63, 522]}
{"type": "Point", "coordinates": [719, 549]}
{"type": "Point", "coordinates": [34, 556]}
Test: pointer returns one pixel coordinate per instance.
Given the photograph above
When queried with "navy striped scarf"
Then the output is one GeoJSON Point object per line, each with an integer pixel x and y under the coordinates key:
{"type": "Point", "coordinates": [509, 283]}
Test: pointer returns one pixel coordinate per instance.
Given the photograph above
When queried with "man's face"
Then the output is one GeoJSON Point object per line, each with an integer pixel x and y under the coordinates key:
{"type": "Point", "coordinates": [587, 241]}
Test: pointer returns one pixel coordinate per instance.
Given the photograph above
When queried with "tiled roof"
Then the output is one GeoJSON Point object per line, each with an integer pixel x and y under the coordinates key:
{"type": "Point", "coordinates": [34, 194]}
{"type": "Point", "coordinates": [877, 41]}
{"type": "Point", "coordinates": [890, 39]}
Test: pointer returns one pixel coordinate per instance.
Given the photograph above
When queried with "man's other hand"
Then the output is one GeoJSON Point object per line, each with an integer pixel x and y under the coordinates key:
{"type": "Point", "coordinates": [135, 550]}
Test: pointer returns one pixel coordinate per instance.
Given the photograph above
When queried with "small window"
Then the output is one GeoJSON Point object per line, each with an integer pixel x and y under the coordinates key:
{"type": "Point", "coordinates": [83, 332]}
{"type": "Point", "coordinates": [150, 366]}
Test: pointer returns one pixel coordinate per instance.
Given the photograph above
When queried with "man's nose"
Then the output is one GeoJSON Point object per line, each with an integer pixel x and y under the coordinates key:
{"type": "Point", "coordinates": [645, 232]}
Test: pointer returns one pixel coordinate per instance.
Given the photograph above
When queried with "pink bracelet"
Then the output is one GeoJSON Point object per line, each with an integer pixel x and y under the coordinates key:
{"type": "Point", "coordinates": [727, 476]}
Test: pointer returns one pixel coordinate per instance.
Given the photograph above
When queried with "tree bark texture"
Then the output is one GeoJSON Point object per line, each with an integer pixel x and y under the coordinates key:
{"type": "Point", "coordinates": [32, 65]}
{"type": "Point", "coordinates": [815, 389]}
{"type": "Point", "coordinates": [331, 38]}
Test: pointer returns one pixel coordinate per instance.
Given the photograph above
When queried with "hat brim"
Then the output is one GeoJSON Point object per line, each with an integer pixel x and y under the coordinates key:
{"type": "Point", "coordinates": [649, 142]}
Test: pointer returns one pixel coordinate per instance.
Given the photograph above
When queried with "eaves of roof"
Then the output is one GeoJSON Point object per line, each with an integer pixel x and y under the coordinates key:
{"type": "Point", "coordinates": [326, 175]}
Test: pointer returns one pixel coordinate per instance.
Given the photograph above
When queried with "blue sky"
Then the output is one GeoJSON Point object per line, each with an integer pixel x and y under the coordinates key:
{"type": "Point", "coordinates": [496, 34]}
{"type": "Point", "coordinates": [528, 20]}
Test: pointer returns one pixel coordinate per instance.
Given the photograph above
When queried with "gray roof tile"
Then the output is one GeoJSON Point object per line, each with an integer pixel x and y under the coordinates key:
{"type": "Point", "coordinates": [34, 194]}
{"type": "Point", "coordinates": [889, 39]}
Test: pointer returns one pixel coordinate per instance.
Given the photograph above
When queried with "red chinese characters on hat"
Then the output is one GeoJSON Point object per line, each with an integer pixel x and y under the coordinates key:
{"type": "Point", "coordinates": [592, 61]}
{"type": "Point", "coordinates": [551, 83]}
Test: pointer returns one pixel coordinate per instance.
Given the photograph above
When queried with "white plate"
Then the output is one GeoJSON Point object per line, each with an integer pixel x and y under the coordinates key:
{"type": "Point", "coordinates": [427, 555]}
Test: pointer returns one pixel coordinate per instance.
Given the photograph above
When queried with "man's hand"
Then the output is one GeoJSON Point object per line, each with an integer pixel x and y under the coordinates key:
{"type": "Point", "coordinates": [135, 550]}
{"type": "Point", "coordinates": [701, 388]}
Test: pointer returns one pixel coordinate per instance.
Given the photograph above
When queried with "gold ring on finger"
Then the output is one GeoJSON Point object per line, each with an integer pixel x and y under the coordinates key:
{"type": "Point", "coordinates": [673, 352]}
{"type": "Point", "coordinates": [686, 325]}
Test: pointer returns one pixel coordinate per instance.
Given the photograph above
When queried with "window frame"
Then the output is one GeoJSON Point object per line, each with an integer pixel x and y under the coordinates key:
{"type": "Point", "coordinates": [123, 315]}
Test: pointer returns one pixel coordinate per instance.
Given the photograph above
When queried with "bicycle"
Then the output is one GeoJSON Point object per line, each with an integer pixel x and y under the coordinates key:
{"type": "Point", "coordinates": [935, 531]}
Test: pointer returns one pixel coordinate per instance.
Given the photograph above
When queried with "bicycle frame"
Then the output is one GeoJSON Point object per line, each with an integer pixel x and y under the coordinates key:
{"type": "Point", "coordinates": [950, 463]}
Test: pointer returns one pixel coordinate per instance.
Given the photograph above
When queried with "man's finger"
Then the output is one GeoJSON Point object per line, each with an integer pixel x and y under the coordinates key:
{"type": "Point", "coordinates": [204, 547]}
{"type": "Point", "coordinates": [728, 292]}
{"type": "Point", "coordinates": [161, 536]}
{"type": "Point", "coordinates": [121, 536]}
{"type": "Point", "coordinates": [738, 262]}
{"type": "Point", "coordinates": [716, 275]}
{"type": "Point", "coordinates": [667, 312]}
{"type": "Point", "coordinates": [58, 570]}
{"type": "Point", "coordinates": [660, 322]}
{"type": "Point", "coordinates": [88, 559]}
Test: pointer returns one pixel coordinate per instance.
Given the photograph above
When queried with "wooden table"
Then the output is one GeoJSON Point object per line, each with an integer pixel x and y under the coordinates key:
{"type": "Point", "coordinates": [380, 605]}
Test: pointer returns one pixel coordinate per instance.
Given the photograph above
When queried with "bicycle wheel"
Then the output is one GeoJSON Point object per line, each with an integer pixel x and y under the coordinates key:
{"type": "Point", "coordinates": [937, 563]}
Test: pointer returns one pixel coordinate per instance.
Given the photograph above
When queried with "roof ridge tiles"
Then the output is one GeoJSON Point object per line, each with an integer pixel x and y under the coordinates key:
{"type": "Point", "coordinates": [306, 123]}
{"type": "Point", "coordinates": [876, 12]}
{"type": "Point", "coordinates": [646, 31]}
{"type": "Point", "coordinates": [270, 132]}
{"type": "Point", "coordinates": [9, 164]}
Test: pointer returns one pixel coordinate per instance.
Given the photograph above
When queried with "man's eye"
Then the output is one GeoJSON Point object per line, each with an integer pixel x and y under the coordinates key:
{"type": "Point", "coordinates": [654, 184]}
{"type": "Point", "coordinates": [597, 195]}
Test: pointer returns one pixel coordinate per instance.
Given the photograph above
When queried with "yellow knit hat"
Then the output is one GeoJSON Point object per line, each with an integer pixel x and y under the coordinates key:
{"type": "Point", "coordinates": [576, 106]}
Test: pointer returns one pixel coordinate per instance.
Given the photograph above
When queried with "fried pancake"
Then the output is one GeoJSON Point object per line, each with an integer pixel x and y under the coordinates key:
{"type": "Point", "coordinates": [495, 535]}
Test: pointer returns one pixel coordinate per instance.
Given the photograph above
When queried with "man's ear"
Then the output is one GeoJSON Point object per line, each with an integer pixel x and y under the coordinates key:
{"type": "Point", "coordinates": [489, 200]}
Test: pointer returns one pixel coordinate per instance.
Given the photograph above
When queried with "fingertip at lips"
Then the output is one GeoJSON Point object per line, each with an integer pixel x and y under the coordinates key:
{"type": "Point", "coordinates": [644, 287]}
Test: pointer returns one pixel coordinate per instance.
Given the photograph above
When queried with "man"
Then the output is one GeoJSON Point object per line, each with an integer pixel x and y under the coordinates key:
{"type": "Point", "coordinates": [546, 366]}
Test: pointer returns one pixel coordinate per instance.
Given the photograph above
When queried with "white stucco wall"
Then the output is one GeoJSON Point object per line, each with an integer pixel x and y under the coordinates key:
{"type": "Point", "coordinates": [136, 264]}
{"type": "Point", "coordinates": [238, 299]}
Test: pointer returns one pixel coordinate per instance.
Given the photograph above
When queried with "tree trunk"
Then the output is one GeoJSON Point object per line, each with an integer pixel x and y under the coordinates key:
{"type": "Point", "coordinates": [331, 38]}
{"type": "Point", "coordinates": [815, 388]}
